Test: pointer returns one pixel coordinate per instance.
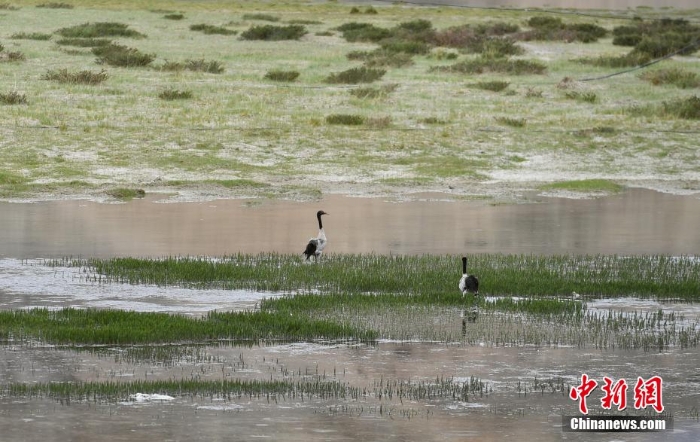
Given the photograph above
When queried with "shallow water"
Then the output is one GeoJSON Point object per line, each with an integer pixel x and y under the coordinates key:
{"type": "Point", "coordinates": [511, 409]}
{"type": "Point", "coordinates": [634, 222]}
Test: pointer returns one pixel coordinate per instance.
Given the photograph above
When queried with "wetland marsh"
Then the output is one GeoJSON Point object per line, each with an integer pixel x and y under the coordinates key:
{"type": "Point", "coordinates": [517, 137]}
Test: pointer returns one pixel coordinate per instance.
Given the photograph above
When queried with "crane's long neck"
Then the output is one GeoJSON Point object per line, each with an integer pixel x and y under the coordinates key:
{"type": "Point", "coordinates": [320, 224]}
{"type": "Point", "coordinates": [464, 265]}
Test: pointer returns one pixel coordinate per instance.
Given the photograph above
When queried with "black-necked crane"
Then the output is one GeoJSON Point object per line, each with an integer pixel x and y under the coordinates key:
{"type": "Point", "coordinates": [468, 283]}
{"type": "Point", "coordinates": [316, 245]}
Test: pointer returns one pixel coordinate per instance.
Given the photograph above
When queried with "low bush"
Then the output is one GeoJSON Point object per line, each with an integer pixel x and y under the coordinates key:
{"type": "Point", "coordinates": [356, 75]}
{"type": "Point", "coordinates": [274, 33]}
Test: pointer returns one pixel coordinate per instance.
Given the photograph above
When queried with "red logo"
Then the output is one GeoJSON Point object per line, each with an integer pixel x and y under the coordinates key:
{"type": "Point", "coordinates": [646, 393]}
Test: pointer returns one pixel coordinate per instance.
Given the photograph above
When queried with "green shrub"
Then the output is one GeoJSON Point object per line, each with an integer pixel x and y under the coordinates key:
{"type": "Point", "coordinates": [55, 5]}
{"type": "Point", "coordinates": [381, 58]}
{"type": "Point", "coordinates": [81, 77]}
{"type": "Point", "coordinates": [174, 94]}
{"type": "Point", "coordinates": [494, 86]}
{"type": "Point", "coordinates": [686, 108]}
{"type": "Point", "coordinates": [674, 76]}
{"type": "Point", "coordinates": [274, 33]}
{"type": "Point", "coordinates": [101, 29]}
{"type": "Point", "coordinates": [12, 56]}
{"type": "Point", "coordinates": [13, 98]}
{"type": "Point", "coordinates": [356, 75]}
{"type": "Point", "coordinates": [122, 56]}
{"type": "Point", "coordinates": [278, 75]}
{"type": "Point", "coordinates": [32, 36]}
{"type": "Point", "coordinates": [84, 42]}
{"type": "Point", "coordinates": [588, 97]}
{"type": "Point", "coordinates": [622, 61]}
{"type": "Point", "coordinates": [261, 17]}
{"type": "Point", "coordinates": [363, 32]}
{"type": "Point", "coordinates": [405, 46]}
{"type": "Point", "coordinates": [125, 193]}
{"type": "Point", "coordinates": [373, 92]}
{"type": "Point", "coordinates": [212, 30]}
{"type": "Point", "coordinates": [201, 65]}
{"type": "Point", "coordinates": [513, 122]}
{"type": "Point", "coordinates": [349, 120]}
{"type": "Point", "coordinates": [483, 65]}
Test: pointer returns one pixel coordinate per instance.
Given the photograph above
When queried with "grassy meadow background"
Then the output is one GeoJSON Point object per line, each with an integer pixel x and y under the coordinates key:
{"type": "Point", "coordinates": [212, 111]}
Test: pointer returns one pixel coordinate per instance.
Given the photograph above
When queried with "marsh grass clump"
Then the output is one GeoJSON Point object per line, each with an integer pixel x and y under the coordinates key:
{"type": "Point", "coordinates": [494, 86]}
{"type": "Point", "coordinates": [631, 59]}
{"type": "Point", "coordinates": [355, 76]}
{"type": "Point", "coordinates": [80, 77]}
{"type": "Point", "coordinates": [274, 33]}
{"type": "Point", "coordinates": [686, 108]}
{"type": "Point", "coordinates": [363, 32]}
{"type": "Point", "coordinates": [345, 119]}
{"type": "Point", "coordinates": [280, 75]}
{"type": "Point", "coordinates": [548, 28]}
{"type": "Point", "coordinates": [587, 97]}
{"type": "Point", "coordinates": [201, 65]}
{"type": "Point", "coordinates": [122, 56]}
{"type": "Point", "coordinates": [174, 16]}
{"type": "Point", "coordinates": [12, 98]}
{"type": "Point", "coordinates": [374, 92]}
{"type": "Point", "coordinates": [212, 30]}
{"type": "Point", "coordinates": [99, 29]}
{"type": "Point", "coordinates": [656, 276]}
{"type": "Point", "coordinates": [31, 36]}
{"type": "Point", "coordinates": [174, 94]}
{"type": "Point", "coordinates": [482, 65]}
{"type": "Point", "coordinates": [382, 58]}
{"type": "Point", "coordinates": [123, 193]}
{"type": "Point", "coordinates": [261, 17]}
{"type": "Point", "coordinates": [84, 42]}
{"type": "Point", "coordinates": [55, 5]}
{"type": "Point", "coordinates": [512, 122]}
{"type": "Point", "coordinates": [12, 56]}
{"type": "Point", "coordinates": [680, 78]}
{"type": "Point", "coordinates": [119, 327]}
{"type": "Point", "coordinates": [658, 38]}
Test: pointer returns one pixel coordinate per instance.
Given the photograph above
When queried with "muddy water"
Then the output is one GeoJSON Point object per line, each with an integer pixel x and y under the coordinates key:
{"type": "Point", "coordinates": [634, 222]}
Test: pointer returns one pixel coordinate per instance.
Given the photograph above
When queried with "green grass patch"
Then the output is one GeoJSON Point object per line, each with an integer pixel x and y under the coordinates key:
{"type": "Point", "coordinates": [262, 17]}
{"type": "Point", "coordinates": [592, 185]}
{"type": "Point", "coordinates": [345, 119]}
{"type": "Point", "coordinates": [280, 75]}
{"type": "Point", "coordinates": [118, 327]}
{"type": "Point", "coordinates": [484, 65]}
{"type": "Point", "coordinates": [212, 30]}
{"type": "Point", "coordinates": [522, 275]}
{"type": "Point", "coordinates": [122, 56]}
{"type": "Point", "coordinates": [99, 29]}
{"type": "Point", "coordinates": [678, 77]}
{"type": "Point", "coordinates": [84, 42]}
{"type": "Point", "coordinates": [14, 97]}
{"type": "Point", "coordinates": [31, 36]}
{"type": "Point", "coordinates": [493, 86]}
{"type": "Point", "coordinates": [356, 76]}
{"type": "Point", "coordinates": [126, 194]}
{"type": "Point", "coordinates": [81, 77]}
{"type": "Point", "coordinates": [274, 33]}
